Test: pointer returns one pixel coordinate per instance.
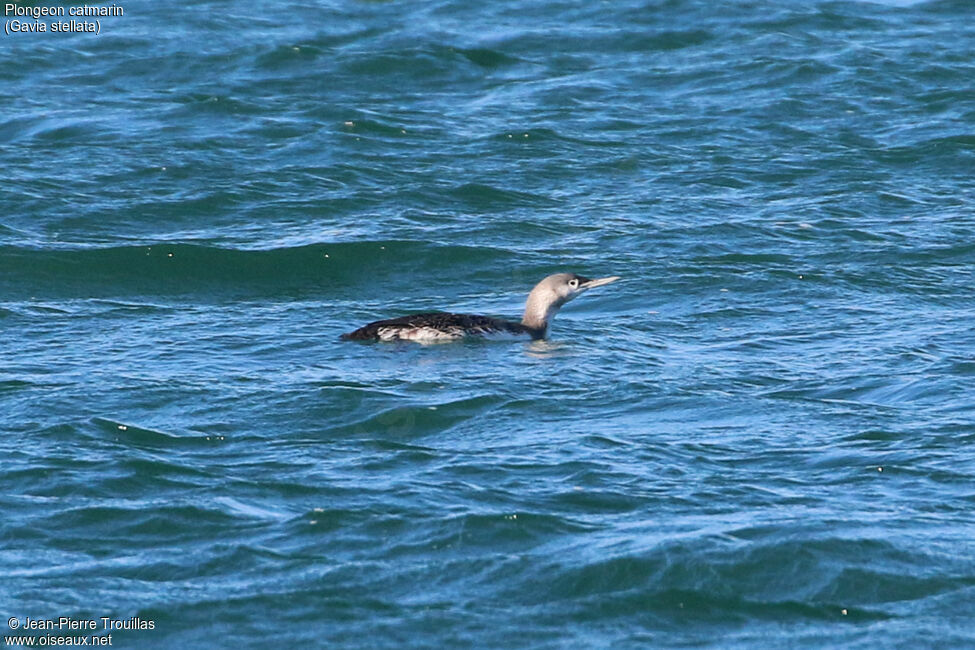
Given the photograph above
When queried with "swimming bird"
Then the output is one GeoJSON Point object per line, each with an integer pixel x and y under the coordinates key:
{"type": "Point", "coordinates": [543, 304]}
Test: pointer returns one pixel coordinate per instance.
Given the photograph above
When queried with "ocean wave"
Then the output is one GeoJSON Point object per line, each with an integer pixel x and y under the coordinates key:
{"type": "Point", "coordinates": [187, 268]}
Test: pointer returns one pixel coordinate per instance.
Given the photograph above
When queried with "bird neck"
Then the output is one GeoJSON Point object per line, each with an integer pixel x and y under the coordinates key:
{"type": "Point", "coordinates": [539, 312]}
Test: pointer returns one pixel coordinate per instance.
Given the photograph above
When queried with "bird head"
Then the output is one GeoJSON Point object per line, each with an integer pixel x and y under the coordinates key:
{"type": "Point", "coordinates": [550, 294]}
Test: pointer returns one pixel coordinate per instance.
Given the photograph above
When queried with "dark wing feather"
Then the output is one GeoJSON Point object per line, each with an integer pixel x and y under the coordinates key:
{"type": "Point", "coordinates": [471, 324]}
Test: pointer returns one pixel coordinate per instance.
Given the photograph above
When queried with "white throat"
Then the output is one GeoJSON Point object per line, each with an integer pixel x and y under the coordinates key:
{"type": "Point", "coordinates": [542, 306]}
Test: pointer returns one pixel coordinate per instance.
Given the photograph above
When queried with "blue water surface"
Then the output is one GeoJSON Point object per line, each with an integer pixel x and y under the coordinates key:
{"type": "Point", "coordinates": [762, 436]}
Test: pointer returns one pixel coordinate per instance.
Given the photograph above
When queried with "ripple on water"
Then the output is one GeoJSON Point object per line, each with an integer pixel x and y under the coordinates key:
{"type": "Point", "coordinates": [762, 436]}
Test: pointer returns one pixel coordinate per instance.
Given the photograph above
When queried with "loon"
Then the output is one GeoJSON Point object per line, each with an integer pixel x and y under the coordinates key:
{"type": "Point", "coordinates": [544, 302]}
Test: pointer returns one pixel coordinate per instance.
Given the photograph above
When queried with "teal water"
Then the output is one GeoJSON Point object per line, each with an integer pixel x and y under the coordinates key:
{"type": "Point", "coordinates": [763, 436]}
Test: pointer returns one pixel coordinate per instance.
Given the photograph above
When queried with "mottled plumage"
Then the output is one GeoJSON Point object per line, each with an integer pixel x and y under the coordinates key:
{"type": "Point", "coordinates": [437, 326]}
{"type": "Point", "coordinates": [543, 303]}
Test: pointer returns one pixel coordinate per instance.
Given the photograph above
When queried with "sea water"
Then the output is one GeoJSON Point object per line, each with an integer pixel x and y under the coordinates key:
{"type": "Point", "coordinates": [762, 436]}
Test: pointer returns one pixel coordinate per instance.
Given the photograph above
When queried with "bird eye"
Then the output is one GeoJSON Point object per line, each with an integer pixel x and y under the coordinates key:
{"type": "Point", "coordinates": [573, 283]}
